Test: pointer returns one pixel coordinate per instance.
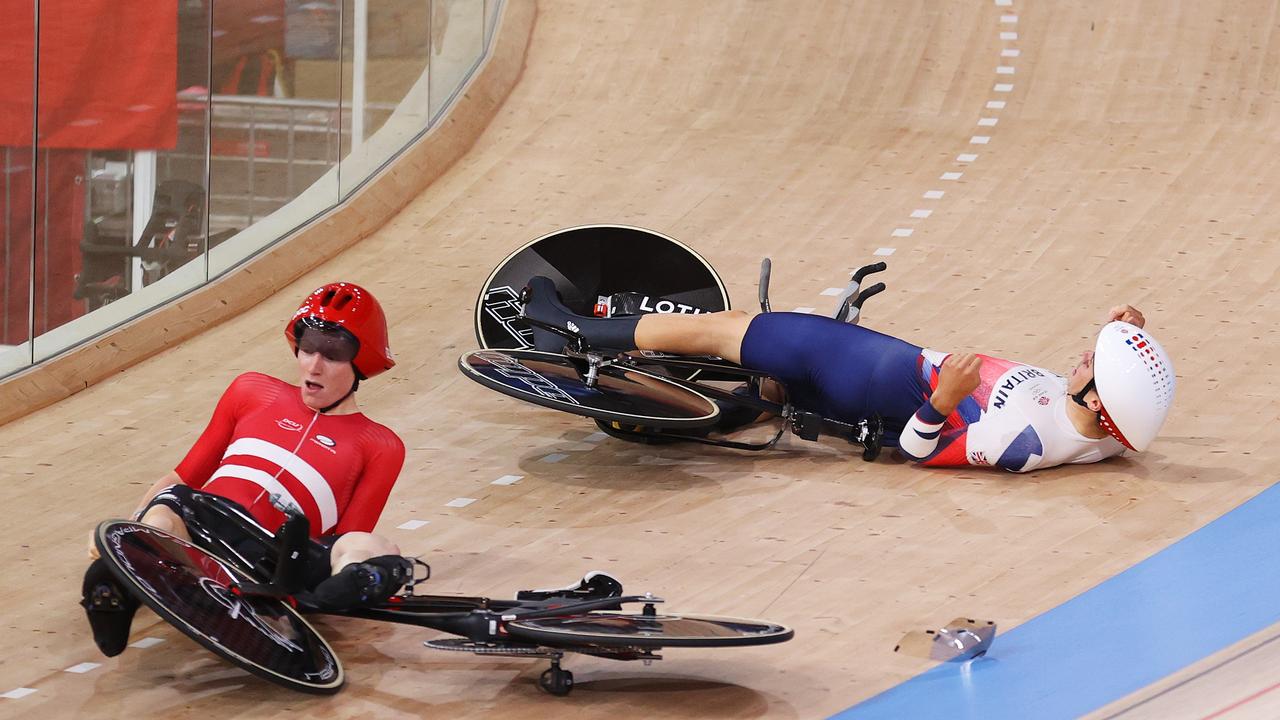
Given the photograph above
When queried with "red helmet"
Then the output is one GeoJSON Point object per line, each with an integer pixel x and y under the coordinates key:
{"type": "Point", "coordinates": [355, 310]}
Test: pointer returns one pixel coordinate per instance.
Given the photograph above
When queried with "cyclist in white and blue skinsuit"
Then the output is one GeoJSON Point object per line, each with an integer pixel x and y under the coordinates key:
{"type": "Point", "coordinates": [939, 409]}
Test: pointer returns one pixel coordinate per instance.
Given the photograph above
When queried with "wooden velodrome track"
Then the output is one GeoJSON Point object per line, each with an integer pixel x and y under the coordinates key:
{"type": "Point", "coordinates": [1133, 161]}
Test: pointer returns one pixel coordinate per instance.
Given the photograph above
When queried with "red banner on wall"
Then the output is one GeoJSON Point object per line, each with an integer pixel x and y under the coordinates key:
{"type": "Point", "coordinates": [108, 73]}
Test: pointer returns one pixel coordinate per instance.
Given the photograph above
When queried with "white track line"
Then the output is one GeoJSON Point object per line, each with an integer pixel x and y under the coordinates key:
{"type": "Point", "coordinates": [920, 213]}
{"type": "Point", "coordinates": [17, 693]}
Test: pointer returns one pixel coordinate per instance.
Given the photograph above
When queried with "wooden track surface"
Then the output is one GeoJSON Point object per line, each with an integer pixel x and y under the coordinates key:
{"type": "Point", "coordinates": [1134, 162]}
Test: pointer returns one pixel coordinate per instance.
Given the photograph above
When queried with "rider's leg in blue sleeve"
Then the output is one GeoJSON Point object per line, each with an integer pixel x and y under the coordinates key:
{"type": "Point", "coordinates": [841, 371]}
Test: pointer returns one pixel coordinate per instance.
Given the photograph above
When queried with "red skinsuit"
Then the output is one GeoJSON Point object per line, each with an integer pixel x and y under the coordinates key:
{"type": "Point", "coordinates": [262, 439]}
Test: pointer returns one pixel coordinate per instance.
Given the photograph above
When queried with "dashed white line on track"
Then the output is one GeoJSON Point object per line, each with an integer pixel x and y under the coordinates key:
{"type": "Point", "coordinates": [18, 693]}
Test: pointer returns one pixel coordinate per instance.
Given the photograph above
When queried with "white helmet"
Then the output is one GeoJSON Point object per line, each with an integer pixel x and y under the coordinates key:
{"type": "Point", "coordinates": [1134, 378]}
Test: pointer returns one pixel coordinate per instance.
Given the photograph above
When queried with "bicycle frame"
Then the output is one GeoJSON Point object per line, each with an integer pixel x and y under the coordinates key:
{"type": "Point", "coordinates": [479, 619]}
{"type": "Point", "coordinates": [806, 425]}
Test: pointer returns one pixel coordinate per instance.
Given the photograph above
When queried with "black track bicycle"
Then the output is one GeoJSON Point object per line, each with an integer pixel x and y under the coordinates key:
{"type": "Point", "coordinates": [238, 595]}
{"type": "Point", "coordinates": [640, 396]}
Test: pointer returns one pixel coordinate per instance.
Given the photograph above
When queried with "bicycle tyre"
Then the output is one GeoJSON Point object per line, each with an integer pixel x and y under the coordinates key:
{"type": "Point", "coordinates": [638, 630]}
{"type": "Point", "coordinates": [622, 394]}
{"type": "Point", "coordinates": [178, 580]}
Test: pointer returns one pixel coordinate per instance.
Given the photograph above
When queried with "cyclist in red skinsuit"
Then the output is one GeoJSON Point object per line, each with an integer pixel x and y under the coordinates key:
{"type": "Point", "coordinates": [306, 445]}
{"type": "Point", "coordinates": [264, 439]}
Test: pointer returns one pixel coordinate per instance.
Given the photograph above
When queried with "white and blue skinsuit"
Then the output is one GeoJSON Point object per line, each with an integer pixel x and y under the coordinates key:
{"type": "Point", "coordinates": [1016, 419]}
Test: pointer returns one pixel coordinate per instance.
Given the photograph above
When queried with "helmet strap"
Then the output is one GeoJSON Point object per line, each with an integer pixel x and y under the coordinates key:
{"type": "Point", "coordinates": [1079, 396]}
{"type": "Point", "coordinates": [355, 385]}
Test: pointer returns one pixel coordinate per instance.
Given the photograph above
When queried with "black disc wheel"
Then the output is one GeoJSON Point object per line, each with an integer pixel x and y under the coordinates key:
{"type": "Point", "coordinates": [196, 592]}
{"type": "Point", "coordinates": [591, 263]}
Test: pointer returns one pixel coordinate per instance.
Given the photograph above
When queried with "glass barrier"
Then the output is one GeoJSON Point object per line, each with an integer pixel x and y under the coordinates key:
{"type": "Point", "coordinates": [457, 42]}
{"type": "Point", "coordinates": [17, 199]}
{"type": "Point", "coordinates": [276, 122]}
{"type": "Point", "coordinates": [491, 8]}
{"type": "Point", "coordinates": [173, 145]}
{"type": "Point", "coordinates": [385, 67]}
{"type": "Point", "coordinates": [17, 232]}
{"type": "Point", "coordinates": [120, 226]}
